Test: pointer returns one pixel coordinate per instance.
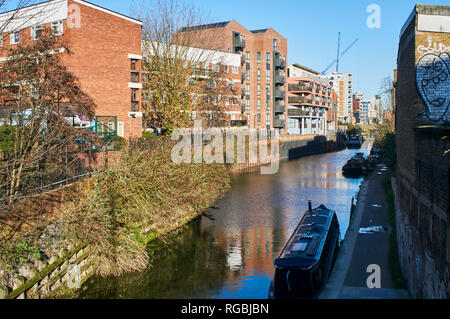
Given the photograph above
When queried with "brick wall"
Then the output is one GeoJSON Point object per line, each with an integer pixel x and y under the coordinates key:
{"type": "Point", "coordinates": [100, 60]}
{"type": "Point", "coordinates": [100, 48]}
{"type": "Point", "coordinates": [423, 172]}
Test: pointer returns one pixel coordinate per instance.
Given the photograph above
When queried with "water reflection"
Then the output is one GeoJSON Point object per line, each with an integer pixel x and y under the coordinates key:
{"type": "Point", "coordinates": [230, 253]}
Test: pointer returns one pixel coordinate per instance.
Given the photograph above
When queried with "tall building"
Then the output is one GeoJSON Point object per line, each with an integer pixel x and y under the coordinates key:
{"type": "Point", "coordinates": [264, 56]}
{"type": "Point", "coordinates": [342, 84]}
{"type": "Point", "coordinates": [309, 101]}
{"type": "Point", "coordinates": [364, 113]}
{"type": "Point", "coordinates": [375, 111]}
{"type": "Point", "coordinates": [357, 98]}
{"type": "Point", "coordinates": [106, 57]}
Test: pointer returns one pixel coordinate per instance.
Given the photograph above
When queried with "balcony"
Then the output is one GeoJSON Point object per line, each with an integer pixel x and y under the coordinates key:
{"type": "Point", "coordinates": [238, 123]}
{"type": "Point", "coordinates": [299, 100]}
{"type": "Point", "coordinates": [134, 106]}
{"type": "Point", "coordinates": [279, 107]}
{"type": "Point", "coordinates": [279, 79]}
{"type": "Point", "coordinates": [279, 62]}
{"type": "Point", "coordinates": [297, 112]}
{"type": "Point", "coordinates": [278, 122]}
{"type": "Point", "coordinates": [279, 93]}
{"type": "Point", "coordinates": [134, 77]}
{"type": "Point", "coordinates": [238, 42]}
{"type": "Point", "coordinates": [300, 88]}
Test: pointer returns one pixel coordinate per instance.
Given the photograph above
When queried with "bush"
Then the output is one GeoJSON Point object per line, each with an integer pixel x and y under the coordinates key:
{"type": "Point", "coordinates": [144, 196]}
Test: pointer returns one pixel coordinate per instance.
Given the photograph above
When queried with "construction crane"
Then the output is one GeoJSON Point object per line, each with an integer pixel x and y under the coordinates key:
{"type": "Point", "coordinates": [339, 55]}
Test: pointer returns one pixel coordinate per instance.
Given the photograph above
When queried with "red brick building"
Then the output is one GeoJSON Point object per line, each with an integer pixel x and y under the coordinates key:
{"type": "Point", "coordinates": [106, 57]}
{"type": "Point", "coordinates": [264, 56]}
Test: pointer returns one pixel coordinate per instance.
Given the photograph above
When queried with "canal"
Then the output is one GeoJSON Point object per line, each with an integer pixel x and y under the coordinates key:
{"type": "Point", "coordinates": [229, 253]}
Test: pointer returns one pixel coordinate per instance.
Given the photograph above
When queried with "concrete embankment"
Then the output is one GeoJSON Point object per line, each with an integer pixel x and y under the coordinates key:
{"type": "Point", "coordinates": [366, 245]}
{"type": "Point", "coordinates": [295, 147]}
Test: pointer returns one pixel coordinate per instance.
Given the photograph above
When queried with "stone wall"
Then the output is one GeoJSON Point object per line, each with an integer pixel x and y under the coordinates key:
{"type": "Point", "coordinates": [53, 278]}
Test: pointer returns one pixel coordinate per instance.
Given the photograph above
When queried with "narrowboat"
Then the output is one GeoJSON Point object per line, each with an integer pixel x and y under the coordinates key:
{"type": "Point", "coordinates": [304, 265]}
{"type": "Point", "coordinates": [354, 142]}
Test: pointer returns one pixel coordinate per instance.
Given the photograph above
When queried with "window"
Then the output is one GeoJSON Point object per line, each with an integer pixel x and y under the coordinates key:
{"type": "Point", "coordinates": [15, 37]}
{"type": "Point", "coordinates": [247, 89]}
{"type": "Point", "coordinates": [259, 105]}
{"type": "Point", "coordinates": [267, 57]}
{"type": "Point", "coordinates": [247, 105]}
{"type": "Point", "coordinates": [216, 68]}
{"type": "Point", "coordinates": [247, 57]}
{"type": "Point", "coordinates": [268, 74]}
{"type": "Point", "coordinates": [234, 69]}
{"type": "Point", "coordinates": [57, 27]}
{"type": "Point", "coordinates": [36, 32]}
{"type": "Point", "coordinates": [268, 104]}
{"type": "Point", "coordinates": [258, 56]}
{"type": "Point", "coordinates": [258, 74]}
{"type": "Point", "coordinates": [275, 45]}
{"type": "Point", "coordinates": [247, 75]}
{"type": "Point", "coordinates": [258, 89]}
{"type": "Point", "coordinates": [268, 119]}
{"type": "Point", "coordinates": [268, 91]}
{"type": "Point", "coordinates": [258, 119]}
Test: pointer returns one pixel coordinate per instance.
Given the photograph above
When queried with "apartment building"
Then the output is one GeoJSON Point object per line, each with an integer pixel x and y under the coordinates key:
{"type": "Point", "coordinates": [263, 60]}
{"type": "Point", "coordinates": [342, 84]}
{"type": "Point", "coordinates": [375, 111]}
{"type": "Point", "coordinates": [106, 57]}
{"type": "Point", "coordinates": [357, 98]}
{"type": "Point", "coordinates": [309, 101]}
{"type": "Point", "coordinates": [208, 67]}
{"type": "Point", "coordinates": [364, 113]}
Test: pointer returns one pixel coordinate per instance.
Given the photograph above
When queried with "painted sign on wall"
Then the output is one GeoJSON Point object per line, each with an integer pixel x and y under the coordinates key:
{"type": "Point", "coordinates": [433, 80]}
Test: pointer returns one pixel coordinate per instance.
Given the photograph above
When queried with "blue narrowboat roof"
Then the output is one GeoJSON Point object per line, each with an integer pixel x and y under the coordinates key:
{"type": "Point", "coordinates": [304, 248]}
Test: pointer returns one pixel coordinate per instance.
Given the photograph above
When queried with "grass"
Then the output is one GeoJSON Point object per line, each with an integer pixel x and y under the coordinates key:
{"type": "Point", "coordinates": [394, 260]}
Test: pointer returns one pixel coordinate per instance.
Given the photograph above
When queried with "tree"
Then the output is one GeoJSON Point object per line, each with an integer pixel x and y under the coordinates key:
{"type": "Point", "coordinates": [39, 96]}
{"type": "Point", "coordinates": [179, 78]}
{"type": "Point", "coordinates": [387, 93]}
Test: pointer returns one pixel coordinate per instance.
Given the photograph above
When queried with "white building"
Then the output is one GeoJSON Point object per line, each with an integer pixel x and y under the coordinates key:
{"type": "Point", "coordinates": [343, 85]}
{"type": "Point", "coordinates": [375, 112]}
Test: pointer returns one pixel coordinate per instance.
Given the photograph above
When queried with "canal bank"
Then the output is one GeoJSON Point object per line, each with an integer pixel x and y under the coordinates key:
{"type": "Point", "coordinates": [228, 253]}
{"type": "Point", "coordinates": [365, 250]}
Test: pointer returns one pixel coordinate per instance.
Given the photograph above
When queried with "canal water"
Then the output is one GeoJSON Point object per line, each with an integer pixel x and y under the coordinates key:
{"type": "Point", "coordinates": [229, 253]}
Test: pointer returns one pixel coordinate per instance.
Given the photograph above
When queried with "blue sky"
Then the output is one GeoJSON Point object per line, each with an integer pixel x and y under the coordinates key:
{"type": "Point", "coordinates": [312, 27]}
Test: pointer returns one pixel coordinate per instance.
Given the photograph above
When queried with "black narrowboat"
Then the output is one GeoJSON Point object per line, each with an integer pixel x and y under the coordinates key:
{"type": "Point", "coordinates": [305, 264]}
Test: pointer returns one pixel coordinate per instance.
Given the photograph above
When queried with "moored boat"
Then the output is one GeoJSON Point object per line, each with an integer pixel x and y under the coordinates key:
{"type": "Point", "coordinates": [354, 142]}
{"type": "Point", "coordinates": [305, 264]}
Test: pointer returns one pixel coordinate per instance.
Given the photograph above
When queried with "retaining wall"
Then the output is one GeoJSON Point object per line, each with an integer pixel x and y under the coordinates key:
{"type": "Point", "coordinates": [70, 270]}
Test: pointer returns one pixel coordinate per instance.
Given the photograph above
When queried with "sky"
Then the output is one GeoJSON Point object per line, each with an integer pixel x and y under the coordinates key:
{"type": "Point", "coordinates": [312, 26]}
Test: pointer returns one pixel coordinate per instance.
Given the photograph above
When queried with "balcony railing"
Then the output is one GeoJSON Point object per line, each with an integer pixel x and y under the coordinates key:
{"type": "Point", "coordinates": [279, 62]}
{"type": "Point", "coordinates": [300, 87]}
{"type": "Point", "coordinates": [299, 100]}
{"type": "Point", "coordinates": [297, 112]}
{"type": "Point", "coordinates": [279, 93]}
{"type": "Point", "coordinates": [134, 77]}
{"type": "Point", "coordinates": [238, 123]}
{"type": "Point", "coordinates": [278, 123]}
{"type": "Point", "coordinates": [134, 106]}
{"type": "Point", "coordinates": [279, 79]}
{"type": "Point", "coordinates": [238, 41]}
{"type": "Point", "coordinates": [279, 107]}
